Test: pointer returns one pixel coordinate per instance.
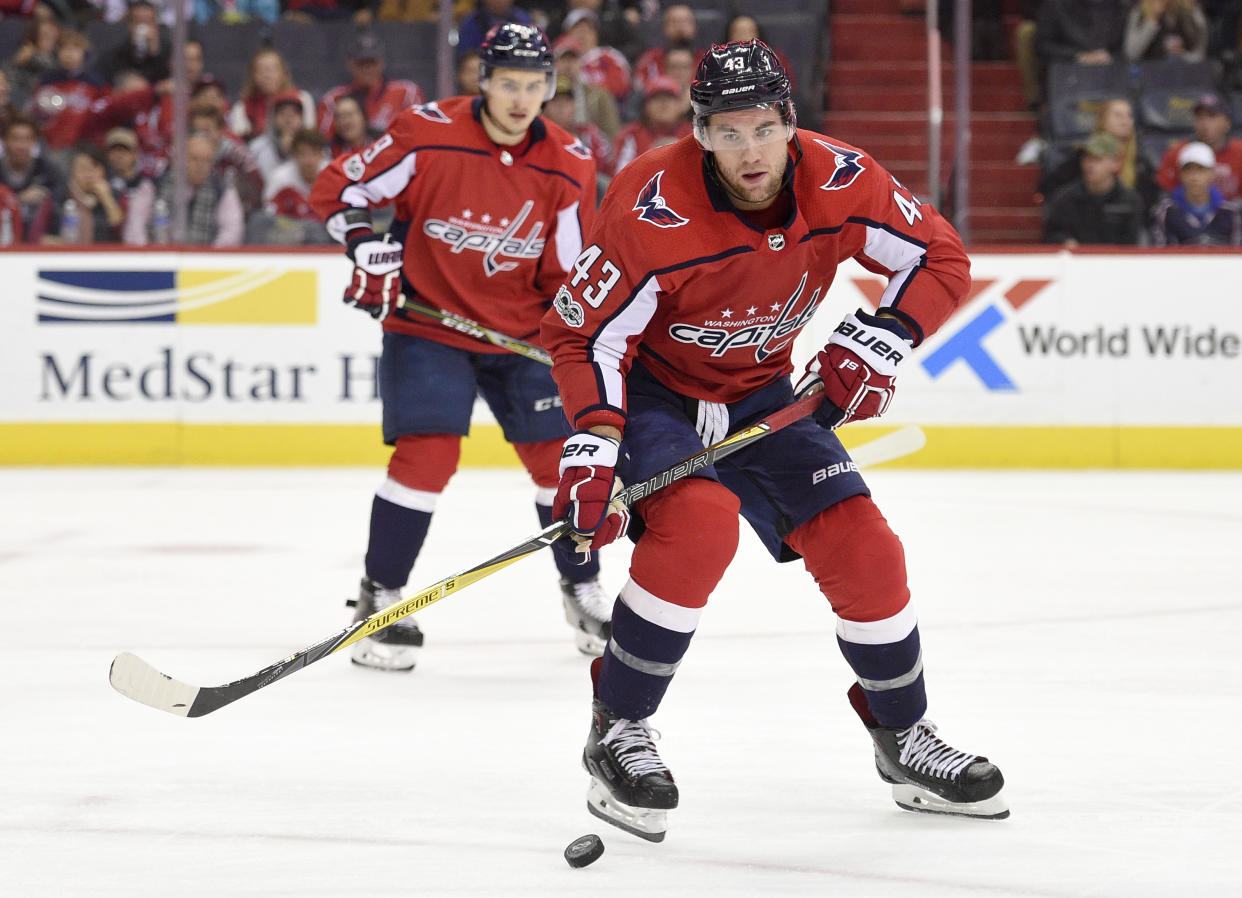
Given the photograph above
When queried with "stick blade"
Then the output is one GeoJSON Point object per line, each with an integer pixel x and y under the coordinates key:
{"type": "Point", "coordinates": [890, 447]}
{"type": "Point", "coordinates": [136, 679]}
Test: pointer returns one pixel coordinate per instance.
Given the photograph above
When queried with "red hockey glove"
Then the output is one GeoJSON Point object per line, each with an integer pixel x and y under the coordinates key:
{"type": "Point", "coordinates": [586, 497]}
{"type": "Point", "coordinates": [376, 283]}
{"type": "Point", "coordinates": [857, 368]}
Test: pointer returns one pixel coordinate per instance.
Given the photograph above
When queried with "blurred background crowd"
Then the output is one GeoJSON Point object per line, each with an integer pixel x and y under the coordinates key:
{"type": "Point", "coordinates": [1133, 106]}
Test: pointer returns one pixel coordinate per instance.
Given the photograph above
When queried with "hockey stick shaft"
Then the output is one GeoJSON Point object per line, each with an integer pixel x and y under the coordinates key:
{"type": "Point", "coordinates": [136, 679]}
{"type": "Point", "coordinates": [472, 329]}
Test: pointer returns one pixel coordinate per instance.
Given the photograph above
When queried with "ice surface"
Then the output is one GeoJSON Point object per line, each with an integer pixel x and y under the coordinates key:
{"type": "Point", "coordinates": [1081, 629]}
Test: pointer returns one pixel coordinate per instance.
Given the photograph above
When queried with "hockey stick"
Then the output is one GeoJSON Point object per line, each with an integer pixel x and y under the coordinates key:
{"type": "Point", "coordinates": [472, 329]}
{"type": "Point", "coordinates": [136, 679]}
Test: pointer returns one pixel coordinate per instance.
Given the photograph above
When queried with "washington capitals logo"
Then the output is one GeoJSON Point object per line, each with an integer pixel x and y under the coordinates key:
{"type": "Point", "coordinates": [848, 167]}
{"type": "Point", "coordinates": [652, 208]}
{"type": "Point", "coordinates": [431, 112]}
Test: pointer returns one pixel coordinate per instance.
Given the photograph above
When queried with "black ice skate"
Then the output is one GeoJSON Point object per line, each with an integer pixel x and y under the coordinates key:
{"type": "Point", "coordinates": [630, 786]}
{"type": "Point", "coordinates": [589, 611]}
{"type": "Point", "coordinates": [395, 647]}
{"type": "Point", "coordinates": [928, 775]}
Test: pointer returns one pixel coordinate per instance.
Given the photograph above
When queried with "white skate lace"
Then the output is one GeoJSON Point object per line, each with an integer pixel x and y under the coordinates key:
{"type": "Point", "coordinates": [924, 752]}
{"type": "Point", "coordinates": [631, 742]}
{"type": "Point", "coordinates": [591, 599]}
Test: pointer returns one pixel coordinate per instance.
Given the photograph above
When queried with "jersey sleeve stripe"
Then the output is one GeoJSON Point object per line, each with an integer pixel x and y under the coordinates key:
{"type": "Point", "coordinates": [608, 347]}
{"type": "Point", "coordinates": [892, 249]}
{"type": "Point", "coordinates": [384, 186]}
{"type": "Point", "coordinates": [568, 236]}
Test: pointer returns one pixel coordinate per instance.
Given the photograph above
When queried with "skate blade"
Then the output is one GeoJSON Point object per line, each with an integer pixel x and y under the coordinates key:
{"type": "Point", "coordinates": [912, 798]}
{"type": "Point", "coordinates": [645, 823]}
{"type": "Point", "coordinates": [384, 656]}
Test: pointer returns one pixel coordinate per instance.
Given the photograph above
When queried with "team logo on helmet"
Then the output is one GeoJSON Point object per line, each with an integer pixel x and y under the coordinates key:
{"type": "Point", "coordinates": [848, 167]}
{"type": "Point", "coordinates": [568, 308]}
{"type": "Point", "coordinates": [653, 209]}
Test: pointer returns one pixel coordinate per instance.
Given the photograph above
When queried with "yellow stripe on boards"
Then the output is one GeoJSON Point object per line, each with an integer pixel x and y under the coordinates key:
{"type": "Point", "coordinates": [147, 443]}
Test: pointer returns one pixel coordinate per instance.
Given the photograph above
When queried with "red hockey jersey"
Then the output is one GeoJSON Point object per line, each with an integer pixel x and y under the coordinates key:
{"type": "Point", "coordinates": [711, 303]}
{"type": "Point", "coordinates": [490, 232]}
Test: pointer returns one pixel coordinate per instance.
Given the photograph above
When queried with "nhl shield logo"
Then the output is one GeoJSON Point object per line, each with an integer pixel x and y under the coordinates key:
{"type": "Point", "coordinates": [776, 242]}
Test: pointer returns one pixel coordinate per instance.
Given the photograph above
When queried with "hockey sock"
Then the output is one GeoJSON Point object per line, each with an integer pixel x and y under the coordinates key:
{"type": "Point", "coordinates": [674, 569]}
{"type": "Point", "coordinates": [860, 566]}
{"type": "Point", "coordinates": [397, 535]}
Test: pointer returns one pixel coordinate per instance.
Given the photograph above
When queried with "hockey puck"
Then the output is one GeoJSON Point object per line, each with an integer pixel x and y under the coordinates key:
{"type": "Point", "coordinates": [584, 850]}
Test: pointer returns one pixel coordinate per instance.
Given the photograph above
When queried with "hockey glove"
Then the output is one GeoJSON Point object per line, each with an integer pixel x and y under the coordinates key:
{"type": "Point", "coordinates": [857, 368]}
{"type": "Point", "coordinates": [587, 495]}
{"type": "Point", "coordinates": [376, 283]}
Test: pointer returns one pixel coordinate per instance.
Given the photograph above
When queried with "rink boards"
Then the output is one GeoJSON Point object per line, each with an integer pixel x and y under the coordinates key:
{"type": "Point", "coordinates": [249, 358]}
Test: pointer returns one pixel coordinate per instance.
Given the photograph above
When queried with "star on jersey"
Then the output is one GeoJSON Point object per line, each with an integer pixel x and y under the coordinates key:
{"type": "Point", "coordinates": [726, 313]}
{"type": "Point", "coordinates": [652, 207]}
{"type": "Point", "coordinates": [848, 167]}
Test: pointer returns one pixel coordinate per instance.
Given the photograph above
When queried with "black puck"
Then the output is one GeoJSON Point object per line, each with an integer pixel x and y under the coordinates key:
{"type": "Point", "coordinates": [584, 850]}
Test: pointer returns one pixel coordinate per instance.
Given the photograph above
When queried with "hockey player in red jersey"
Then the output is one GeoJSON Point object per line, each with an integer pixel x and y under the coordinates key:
{"type": "Point", "coordinates": [492, 203]}
{"type": "Point", "coordinates": [675, 328]}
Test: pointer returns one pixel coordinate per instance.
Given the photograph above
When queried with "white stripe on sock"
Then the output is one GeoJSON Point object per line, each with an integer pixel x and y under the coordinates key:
{"type": "Point", "coordinates": [417, 500]}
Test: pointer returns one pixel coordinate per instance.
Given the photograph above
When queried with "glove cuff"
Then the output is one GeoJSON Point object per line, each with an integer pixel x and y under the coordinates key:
{"type": "Point", "coordinates": [357, 237]}
{"type": "Point", "coordinates": [589, 449]}
{"type": "Point", "coordinates": [881, 343]}
{"type": "Point", "coordinates": [892, 325]}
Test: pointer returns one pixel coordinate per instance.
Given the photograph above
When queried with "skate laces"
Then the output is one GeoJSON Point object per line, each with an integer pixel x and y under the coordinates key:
{"type": "Point", "coordinates": [925, 752]}
{"type": "Point", "coordinates": [589, 597]}
{"type": "Point", "coordinates": [631, 741]}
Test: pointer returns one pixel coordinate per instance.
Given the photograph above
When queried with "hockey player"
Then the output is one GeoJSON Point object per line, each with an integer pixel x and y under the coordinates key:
{"type": "Point", "coordinates": [492, 203]}
{"type": "Point", "coordinates": [676, 327]}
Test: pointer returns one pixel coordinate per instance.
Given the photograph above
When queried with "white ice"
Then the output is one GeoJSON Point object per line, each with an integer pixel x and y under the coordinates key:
{"type": "Point", "coordinates": [1081, 629]}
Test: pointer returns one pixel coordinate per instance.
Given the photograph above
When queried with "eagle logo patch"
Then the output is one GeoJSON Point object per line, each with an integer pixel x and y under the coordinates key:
{"type": "Point", "coordinates": [652, 208]}
{"type": "Point", "coordinates": [848, 167]}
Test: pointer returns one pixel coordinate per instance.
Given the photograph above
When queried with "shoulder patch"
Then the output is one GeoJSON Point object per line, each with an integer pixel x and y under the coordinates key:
{"type": "Point", "coordinates": [354, 167]}
{"type": "Point", "coordinates": [579, 149]}
{"type": "Point", "coordinates": [568, 308]}
{"type": "Point", "coordinates": [848, 167]}
{"type": "Point", "coordinates": [431, 112]}
{"type": "Point", "coordinates": [652, 207]}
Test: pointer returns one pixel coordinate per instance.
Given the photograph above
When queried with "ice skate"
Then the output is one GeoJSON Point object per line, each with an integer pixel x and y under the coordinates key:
{"type": "Point", "coordinates": [396, 647]}
{"type": "Point", "coordinates": [589, 611]}
{"type": "Point", "coordinates": [928, 775]}
{"type": "Point", "coordinates": [630, 786]}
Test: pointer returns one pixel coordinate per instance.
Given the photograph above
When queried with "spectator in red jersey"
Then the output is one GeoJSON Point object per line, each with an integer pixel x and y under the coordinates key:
{"type": "Point", "coordinates": [133, 189]}
{"type": "Point", "coordinates": [350, 132]}
{"type": "Point", "coordinates": [679, 28]}
{"type": "Point", "coordinates": [743, 27]}
{"type": "Point", "coordinates": [233, 162]}
{"type": "Point", "coordinates": [592, 103]}
{"type": "Point", "coordinates": [214, 214]}
{"type": "Point", "coordinates": [663, 121]}
{"type": "Point", "coordinates": [266, 78]}
{"type": "Point", "coordinates": [563, 109]}
{"type": "Point", "coordinates": [34, 59]}
{"type": "Point", "coordinates": [274, 146]}
{"type": "Point", "coordinates": [287, 217]}
{"type": "Point", "coordinates": [31, 177]}
{"type": "Point", "coordinates": [98, 216]}
{"type": "Point", "coordinates": [1212, 124]}
{"type": "Point", "coordinates": [603, 66]}
{"type": "Point", "coordinates": [61, 103]}
{"type": "Point", "coordinates": [146, 49]}
{"type": "Point", "coordinates": [381, 98]}
{"type": "Point", "coordinates": [679, 64]}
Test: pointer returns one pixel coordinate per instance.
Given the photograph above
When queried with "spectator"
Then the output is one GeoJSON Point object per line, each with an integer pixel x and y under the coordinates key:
{"type": "Point", "coordinates": [350, 133]}
{"type": "Point", "coordinates": [32, 177]}
{"type": "Point", "coordinates": [287, 217]}
{"type": "Point", "coordinates": [34, 60]}
{"type": "Point", "coordinates": [563, 110]}
{"type": "Point", "coordinates": [602, 66]}
{"type": "Point", "coordinates": [10, 217]}
{"type": "Point", "coordinates": [146, 48]}
{"type": "Point", "coordinates": [1087, 32]}
{"type": "Point", "coordinates": [134, 191]}
{"type": "Point", "coordinates": [7, 110]}
{"type": "Point", "coordinates": [418, 10]}
{"type": "Point", "coordinates": [1025, 55]}
{"type": "Point", "coordinates": [1097, 208]}
{"type": "Point", "coordinates": [214, 214]}
{"type": "Point", "coordinates": [679, 65]}
{"type": "Point", "coordinates": [209, 90]}
{"type": "Point", "coordinates": [381, 98]}
{"type": "Point", "coordinates": [1166, 29]}
{"type": "Point", "coordinates": [116, 10]}
{"type": "Point", "coordinates": [311, 11]}
{"type": "Point", "coordinates": [1212, 124]}
{"type": "Point", "coordinates": [663, 121]}
{"type": "Point", "coordinates": [743, 27]}
{"type": "Point", "coordinates": [274, 146]}
{"type": "Point", "coordinates": [152, 122]}
{"type": "Point", "coordinates": [99, 216]}
{"type": "Point", "coordinates": [233, 162]}
{"type": "Point", "coordinates": [475, 25]}
{"type": "Point", "coordinates": [1197, 213]}
{"type": "Point", "coordinates": [468, 73]}
{"type": "Point", "coordinates": [233, 12]}
{"type": "Point", "coordinates": [1115, 117]}
{"type": "Point", "coordinates": [591, 102]}
{"type": "Point", "coordinates": [266, 77]}
{"type": "Point", "coordinates": [193, 61]}
{"type": "Point", "coordinates": [678, 28]}
{"type": "Point", "coordinates": [63, 101]}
